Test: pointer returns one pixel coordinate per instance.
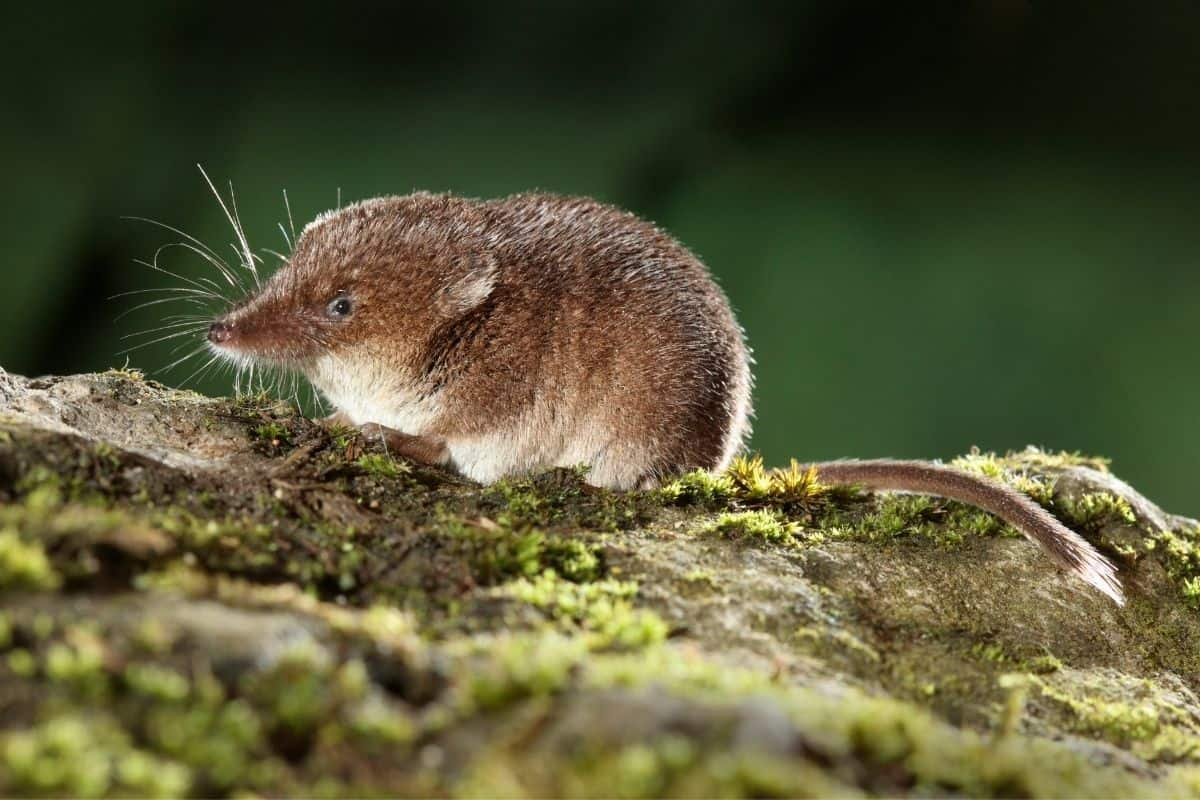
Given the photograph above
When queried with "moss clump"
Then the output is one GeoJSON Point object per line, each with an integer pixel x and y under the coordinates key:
{"type": "Point", "coordinates": [1044, 664]}
{"type": "Point", "coordinates": [676, 766]}
{"type": "Point", "coordinates": [560, 499]}
{"type": "Point", "coordinates": [77, 755]}
{"type": "Point", "coordinates": [826, 638]}
{"type": "Point", "coordinates": [1021, 471]}
{"type": "Point", "coordinates": [900, 516]}
{"type": "Point", "coordinates": [793, 486]}
{"type": "Point", "coordinates": [41, 488]}
{"type": "Point", "coordinates": [73, 543]}
{"type": "Point", "coordinates": [24, 565]}
{"type": "Point", "coordinates": [232, 543]}
{"type": "Point", "coordinates": [497, 551]}
{"type": "Point", "coordinates": [508, 668]}
{"type": "Point", "coordinates": [78, 662]}
{"type": "Point", "coordinates": [522, 504]}
{"type": "Point", "coordinates": [991, 652]}
{"type": "Point", "coordinates": [156, 682]}
{"type": "Point", "coordinates": [272, 434]}
{"type": "Point", "coordinates": [126, 373]}
{"type": "Point", "coordinates": [380, 465]}
{"type": "Point", "coordinates": [260, 728]}
{"type": "Point", "coordinates": [1126, 711]}
{"type": "Point", "coordinates": [763, 525]}
{"type": "Point", "coordinates": [1095, 509]}
{"type": "Point", "coordinates": [298, 691]}
{"type": "Point", "coordinates": [746, 482]}
{"type": "Point", "coordinates": [602, 611]}
{"type": "Point", "coordinates": [220, 740]}
{"type": "Point", "coordinates": [1031, 459]}
{"type": "Point", "coordinates": [1179, 551]}
{"type": "Point", "coordinates": [699, 487]}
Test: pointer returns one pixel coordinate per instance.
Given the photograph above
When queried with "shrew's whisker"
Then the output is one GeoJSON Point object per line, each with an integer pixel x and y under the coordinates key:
{"type": "Point", "coordinates": [195, 325]}
{"type": "Point", "coordinates": [246, 255]}
{"type": "Point", "coordinates": [229, 276]}
{"type": "Point", "coordinates": [167, 337]}
{"type": "Point", "coordinates": [200, 248]}
{"type": "Point", "coordinates": [200, 371]}
{"type": "Point", "coordinates": [179, 361]}
{"type": "Point", "coordinates": [192, 300]}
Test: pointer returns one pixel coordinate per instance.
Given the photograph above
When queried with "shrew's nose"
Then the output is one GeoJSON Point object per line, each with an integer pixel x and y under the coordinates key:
{"type": "Point", "coordinates": [219, 332]}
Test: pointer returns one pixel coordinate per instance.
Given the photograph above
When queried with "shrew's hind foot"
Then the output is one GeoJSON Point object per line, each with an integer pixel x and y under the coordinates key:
{"type": "Point", "coordinates": [429, 450]}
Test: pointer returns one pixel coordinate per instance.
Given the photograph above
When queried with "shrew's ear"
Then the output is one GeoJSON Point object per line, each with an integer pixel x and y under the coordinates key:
{"type": "Point", "coordinates": [471, 287]}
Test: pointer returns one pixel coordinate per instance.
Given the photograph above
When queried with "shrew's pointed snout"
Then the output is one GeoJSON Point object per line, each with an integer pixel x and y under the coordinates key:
{"type": "Point", "coordinates": [220, 332]}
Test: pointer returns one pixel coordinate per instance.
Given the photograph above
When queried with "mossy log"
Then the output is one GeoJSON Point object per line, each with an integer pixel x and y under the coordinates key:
{"type": "Point", "coordinates": [212, 597]}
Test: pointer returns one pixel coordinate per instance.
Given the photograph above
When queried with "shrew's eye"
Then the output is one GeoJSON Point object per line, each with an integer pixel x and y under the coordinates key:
{"type": "Point", "coordinates": [339, 307]}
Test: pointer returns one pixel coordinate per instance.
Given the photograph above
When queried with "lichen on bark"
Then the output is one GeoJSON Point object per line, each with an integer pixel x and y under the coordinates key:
{"type": "Point", "coordinates": [213, 597]}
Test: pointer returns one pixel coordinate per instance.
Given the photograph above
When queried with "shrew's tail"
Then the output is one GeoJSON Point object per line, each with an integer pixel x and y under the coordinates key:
{"type": "Point", "coordinates": [1068, 548]}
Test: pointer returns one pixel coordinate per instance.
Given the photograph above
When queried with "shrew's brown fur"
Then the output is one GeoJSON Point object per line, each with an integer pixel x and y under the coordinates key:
{"type": "Point", "coordinates": [505, 336]}
{"type": "Point", "coordinates": [526, 332]}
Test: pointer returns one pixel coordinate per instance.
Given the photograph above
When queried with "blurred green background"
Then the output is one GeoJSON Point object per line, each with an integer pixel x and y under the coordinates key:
{"type": "Point", "coordinates": [942, 224]}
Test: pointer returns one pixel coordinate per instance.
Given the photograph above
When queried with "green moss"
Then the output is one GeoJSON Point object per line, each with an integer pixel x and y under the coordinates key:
{"type": "Point", "coordinates": [154, 637]}
{"type": "Point", "coordinates": [1042, 665]}
{"type": "Point", "coordinates": [572, 559]}
{"type": "Point", "coordinates": [699, 487]}
{"type": "Point", "coordinates": [1031, 458]}
{"type": "Point", "coordinates": [1179, 550]}
{"type": "Point", "coordinates": [793, 485]}
{"type": "Point", "coordinates": [819, 637]}
{"type": "Point", "coordinates": [375, 726]}
{"type": "Point", "coordinates": [24, 565]}
{"type": "Point", "coordinates": [561, 500]}
{"type": "Point", "coordinates": [1095, 509]}
{"type": "Point", "coordinates": [297, 692]}
{"type": "Point", "coordinates": [273, 434]}
{"type": "Point", "coordinates": [44, 626]}
{"type": "Point", "coordinates": [1126, 711]}
{"type": "Point", "coordinates": [676, 766]}
{"type": "Point", "coordinates": [75, 755]}
{"type": "Point", "coordinates": [125, 373]}
{"type": "Point", "coordinates": [22, 662]}
{"type": "Point", "coordinates": [509, 668]}
{"type": "Point", "coordinates": [522, 503]}
{"type": "Point", "coordinates": [342, 437]}
{"type": "Point", "coordinates": [703, 576]}
{"type": "Point", "coordinates": [1189, 588]}
{"type": "Point", "coordinates": [380, 465]}
{"type": "Point", "coordinates": [761, 524]}
{"type": "Point", "coordinates": [306, 699]}
{"type": "Point", "coordinates": [991, 652]}
{"type": "Point", "coordinates": [1016, 688]}
{"type": "Point", "coordinates": [897, 747]}
{"type": "Point", "coordinates": [893, 517]}
{"type": "Point", "coordinates": [156, 682]}
{"type": "Point", "coordinates": [602, 610]}
{"type": "Point", "coordinates": [231, 543]}
{"type": "Point", "coordinates": [747, 482]}
{"type": "Point", "coordinates": [41, 488]}
{"type": "Point", "coordinates": [79, 662]}
{"type": "Point", "coordinates": [71, 543]}
{"type": "Point", "coordinates": [431, 683]}
{"type": "Point", "coordinates": [221, 741]}
{"type": "Point", "coordinates": [497, 551]}
{"type": "Point", "coordinates": [1021, 470]}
